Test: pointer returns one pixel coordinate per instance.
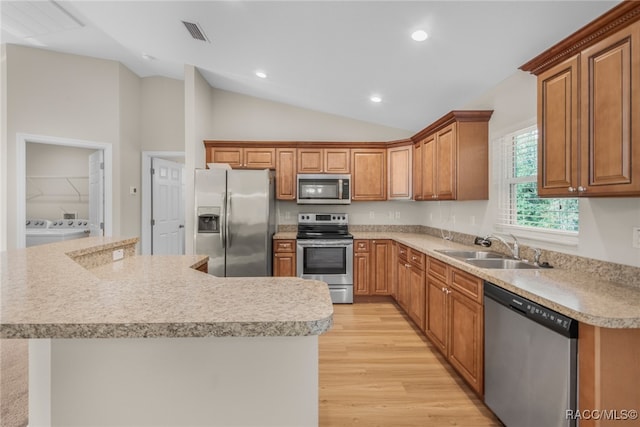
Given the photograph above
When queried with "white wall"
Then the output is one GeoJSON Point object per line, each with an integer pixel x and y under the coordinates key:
{"type": "Point", "coordinates": [605, 223]}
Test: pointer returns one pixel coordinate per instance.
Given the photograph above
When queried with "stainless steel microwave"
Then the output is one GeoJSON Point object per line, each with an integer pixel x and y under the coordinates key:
{"type": "Point", "coordinates": [324, 189]}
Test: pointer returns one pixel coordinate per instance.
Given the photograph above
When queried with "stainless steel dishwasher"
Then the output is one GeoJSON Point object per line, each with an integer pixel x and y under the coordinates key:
{"type": "Point", "coordinates": [530, 359]}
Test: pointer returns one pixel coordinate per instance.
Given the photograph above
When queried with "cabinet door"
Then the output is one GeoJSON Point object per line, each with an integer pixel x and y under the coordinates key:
{"type": "Point", "coordinates": [417, 172]}
{"type": "Point", "coordinates": [393, 262]}
{"type": "Point", "coordinates": [337, 160]}
{"type": "Point", "coordinates": [610, 115]}
{"type": "Point", "coordinates": [361, 268]}
{"type": "Point", "coordinates": [466, 339]}
{"type": "Point", "coordinates": [400, 166]}
{"type": "Point", "coordinates": [417, 296]}
{"type": "Point", "coordinates": [284, 264]}
{"type": "Point", "coordinates": [403, 284]}
{"type": "Point", "coordinates": [286, 174]}
{"type": "Point", "coordinates": [558, 126]}
{"type": "Point", "coordinates": [429, 168]}
{"type": "Point", "coordinates": [232, 156]}
{"type": "Point", "coordinates": [368, 174]}
{"type": "Point", "coordinates": [436, 316]}
{"type": "Point", "coordinates": [380, 267]}
{"type": "Point", "coordinates": [260, 158]}
{"type": "Point", "coordinates": [445, 165]}
{"type": "Point", "coordinates": [310, 160]}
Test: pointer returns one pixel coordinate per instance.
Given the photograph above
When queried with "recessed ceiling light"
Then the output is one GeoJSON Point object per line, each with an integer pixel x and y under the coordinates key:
{"type": "Point", "coordinates": [419, 35]}
{"type": "Point", "coordinates": [375, 98]}
{"type": "Point", "coordinates": [261, 74]}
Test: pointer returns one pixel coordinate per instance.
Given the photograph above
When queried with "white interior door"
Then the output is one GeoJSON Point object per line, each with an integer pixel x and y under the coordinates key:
{"type": "Point", "coordinates": [167, 211]}
{"type": "Point", "coordinates": [96, 193]}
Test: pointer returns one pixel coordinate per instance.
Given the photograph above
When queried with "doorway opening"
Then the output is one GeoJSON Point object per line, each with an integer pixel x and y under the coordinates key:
{"type": "Point", "coordinates": [163, 206]}
{"type": "Point", "coordinates": [63, 179]}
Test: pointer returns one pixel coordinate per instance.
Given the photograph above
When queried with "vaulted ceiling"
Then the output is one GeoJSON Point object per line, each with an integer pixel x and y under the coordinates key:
{"type": "Point", "coordinates": [329, 56]}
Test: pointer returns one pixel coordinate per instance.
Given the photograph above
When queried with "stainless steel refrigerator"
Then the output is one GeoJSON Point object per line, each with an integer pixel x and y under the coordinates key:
{"type": "Point", "coordinates": [235, 220]}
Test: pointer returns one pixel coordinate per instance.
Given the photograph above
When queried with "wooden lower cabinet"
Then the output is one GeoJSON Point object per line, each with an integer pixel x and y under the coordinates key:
{"type": "Point", "coordinates": [454, 320]}
{"type": "Point", "coordinates": [361, 273]}
{"type": "Point", "coordinates": [371, 267]}
{"type": "Point", "coordinates": [436, 315]}
{"type": "Point", "coordinates": [416, 296]}
{"type": "Point", "coordinates": [402, 292]}
{"type": "Point", "coordinates": [284, 258]}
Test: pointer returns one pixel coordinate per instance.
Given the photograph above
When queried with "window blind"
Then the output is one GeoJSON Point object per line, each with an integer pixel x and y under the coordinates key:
{"type": "Point", "coordinates": [519, 204]}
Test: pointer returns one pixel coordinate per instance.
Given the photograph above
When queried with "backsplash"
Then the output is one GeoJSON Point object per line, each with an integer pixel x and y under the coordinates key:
{"type": "Point", "coordinates": [619, 273]}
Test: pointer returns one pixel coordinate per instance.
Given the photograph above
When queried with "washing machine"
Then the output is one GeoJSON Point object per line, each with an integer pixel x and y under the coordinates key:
{"type": "Point", "coordinates": [42, 231]}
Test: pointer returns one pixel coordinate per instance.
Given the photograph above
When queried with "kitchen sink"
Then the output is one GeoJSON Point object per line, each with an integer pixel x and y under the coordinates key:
{"type": "Point", "coordinates": [505, 264]}
{"type": "Point", "coordinates": [471, 254]}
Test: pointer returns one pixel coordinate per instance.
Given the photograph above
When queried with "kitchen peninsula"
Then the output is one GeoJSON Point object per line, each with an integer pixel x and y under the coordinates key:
{"type": "Point", "coordinates": [148, 340]}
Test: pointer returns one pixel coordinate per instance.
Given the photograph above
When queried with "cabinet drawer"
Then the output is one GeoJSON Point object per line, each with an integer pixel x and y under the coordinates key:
{"type": "Point", "coordinates": [467, 284]}
{"type": "Point", "coordinates": [437, 269]}
{"type": "Point", "coordinates": [416, 258]}
{"type": "Point", "coordinates": [361, 245]}
{"type": "Point", "coordinates": [285, 246]}
{"type": "Point", "coordinates": [403, 252]}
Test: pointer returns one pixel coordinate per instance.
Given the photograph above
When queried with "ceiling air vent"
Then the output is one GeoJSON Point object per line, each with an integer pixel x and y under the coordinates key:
{"type": "Point", "coordinates": [195, 31]}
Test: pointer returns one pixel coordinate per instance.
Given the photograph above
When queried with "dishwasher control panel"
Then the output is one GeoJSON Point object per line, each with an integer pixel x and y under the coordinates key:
{"type": "Point", "coordinates": [541, 314]}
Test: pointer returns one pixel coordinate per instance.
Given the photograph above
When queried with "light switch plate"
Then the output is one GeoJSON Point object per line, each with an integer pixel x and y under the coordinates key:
{"type": "Point", "coordinates": [636, 237]}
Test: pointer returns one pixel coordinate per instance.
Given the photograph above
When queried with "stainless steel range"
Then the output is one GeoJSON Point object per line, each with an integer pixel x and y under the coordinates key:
{"type": "Point", "coordinates": [325, 252]}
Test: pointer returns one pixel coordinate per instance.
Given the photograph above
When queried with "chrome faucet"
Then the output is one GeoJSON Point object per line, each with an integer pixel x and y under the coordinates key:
{"type": "Point", "coordinates": [515, 250]}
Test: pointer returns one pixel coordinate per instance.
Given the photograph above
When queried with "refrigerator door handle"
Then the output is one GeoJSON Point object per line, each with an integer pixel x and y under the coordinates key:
{"type": "Point", "coordinates": [223, 217]}
{"type": "Point", "coordinates": [227, 210]}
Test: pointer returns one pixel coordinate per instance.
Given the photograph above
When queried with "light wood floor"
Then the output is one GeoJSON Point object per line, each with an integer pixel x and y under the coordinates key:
{"type": "Point", "coordinates": [377, 369]}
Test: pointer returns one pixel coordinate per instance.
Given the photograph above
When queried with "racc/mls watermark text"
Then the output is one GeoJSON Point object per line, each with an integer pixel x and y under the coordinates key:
{"type": "Point", "coordinates": [601, 414]}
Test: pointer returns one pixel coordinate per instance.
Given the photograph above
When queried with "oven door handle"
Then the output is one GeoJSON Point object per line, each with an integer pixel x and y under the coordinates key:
{"type": "Point", "coordinates": [334, 243]}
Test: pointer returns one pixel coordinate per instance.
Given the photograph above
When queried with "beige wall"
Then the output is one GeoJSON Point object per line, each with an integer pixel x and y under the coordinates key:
{"type": "Point", "coordinates": [60, 95]}
{"type": "Point", "coordinates": [130, 148]}
{"type": "Point", "coordinates": [242, 117]}
{"type": "Point", "coordinates": [162, 114]}
{"type": "Point", "coordinates": [197, 113]}
{"type": "Point", "coordinates": [3, 148]}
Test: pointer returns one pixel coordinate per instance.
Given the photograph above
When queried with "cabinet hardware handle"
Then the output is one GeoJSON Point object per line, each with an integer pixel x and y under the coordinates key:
{"type": "Point", "coordinates": [582, 189]}
{"type": "Point", "coordinates": [571, 190]}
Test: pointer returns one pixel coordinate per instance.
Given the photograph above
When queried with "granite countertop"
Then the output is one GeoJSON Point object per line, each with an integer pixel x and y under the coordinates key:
{"type": "Point", "coordinates": [577, 295]}
{"type": "Point", "coordinates": [46, 294]}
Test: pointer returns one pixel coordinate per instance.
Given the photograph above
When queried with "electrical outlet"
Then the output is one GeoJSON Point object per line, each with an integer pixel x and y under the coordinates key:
{"type": "Point", "coordinates": [473, 220]}
{"type": "Point", "coordinates": [636, 237]}
{"type": "Point", "coordinates": [133, 190]}
{"type": "Point", "coordinates": [390, 214]}
{"type": "Point", "coordinates": [118, 254]}
{"type": "Point", "coordinates": [372, 214]}
{"type": "Point", "coordinates": [397, 214]}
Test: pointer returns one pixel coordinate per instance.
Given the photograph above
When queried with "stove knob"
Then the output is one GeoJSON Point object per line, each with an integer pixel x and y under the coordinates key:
{"type": "Point", "coordinates": [70, 223]}
{"type": "Point", "coordinates": [84, 223]}
{"type": "Point", "coordinates": [28, 222]}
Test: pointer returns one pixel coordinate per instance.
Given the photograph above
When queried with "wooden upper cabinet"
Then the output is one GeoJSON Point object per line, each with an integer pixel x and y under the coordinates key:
{"type": "Point", "coordinates": [323, 160]}
{"type": "Point", "coordinates": [417, 171]}
{"type": "Point", "coordinates": [558, 126]}
{"type": "Point", "coordinates": [247, 157]}
{"type": "Point", "coordinates": [337, 160]}
{"type": "Point", "coordinates": [399, 172]}
{"type": "Point", "coordinates": [286, 174]}
{"type": "Point", "coordinates": [455, 157]}
{"type": "Point", "coordinates": [368, 174]}
{"type": "Point", "coordinates": [589, 108]}
{"type": "Point", "coordinates": [610, 115]}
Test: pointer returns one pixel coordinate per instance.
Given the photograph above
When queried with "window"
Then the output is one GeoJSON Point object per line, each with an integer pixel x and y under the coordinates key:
{"type": "Point", "coordinates": [519, 204]}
